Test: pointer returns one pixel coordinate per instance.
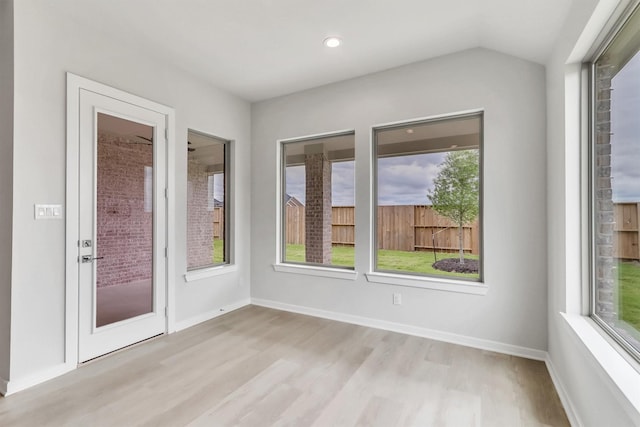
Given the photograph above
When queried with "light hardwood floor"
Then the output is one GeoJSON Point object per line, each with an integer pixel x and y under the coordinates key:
{"type": "Point", "coordinates": [262, 367]}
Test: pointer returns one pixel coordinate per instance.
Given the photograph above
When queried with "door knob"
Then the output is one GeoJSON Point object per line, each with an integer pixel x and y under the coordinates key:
{"type": "Point", "coordinates": [89, 258]}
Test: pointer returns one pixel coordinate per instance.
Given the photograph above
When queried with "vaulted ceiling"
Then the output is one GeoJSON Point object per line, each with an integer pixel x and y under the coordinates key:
{"type": "Point", "coordinates": [259, 49]}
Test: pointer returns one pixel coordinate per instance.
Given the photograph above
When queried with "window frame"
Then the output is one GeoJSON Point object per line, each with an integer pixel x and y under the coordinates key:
{"type": "Point", "coordinates": [412, 279]}
{"type": "Point", "coordinates": [627, 350]}
{"type": "Point", "coordinates": [228, 265]}
{"type": "Point", "coordinates": [306, 268]}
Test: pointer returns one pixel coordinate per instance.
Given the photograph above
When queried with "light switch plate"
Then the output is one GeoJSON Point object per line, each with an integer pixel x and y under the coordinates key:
{"type": "Point", "coordinates": [48, 211]}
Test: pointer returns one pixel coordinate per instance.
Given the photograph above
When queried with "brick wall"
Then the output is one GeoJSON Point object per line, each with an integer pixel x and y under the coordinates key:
{"type": "Point", "coordinates": [318, 209]}
{"type": "Point", "coordinates": [606, 305]}
{"type": "Point", "coordinates": [200, 219]}
{"type": "Point", "coordinates": [125, 230]}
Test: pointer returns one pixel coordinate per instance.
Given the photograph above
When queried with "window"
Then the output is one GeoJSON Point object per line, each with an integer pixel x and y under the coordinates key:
{"type": "Point", "coordinates": [318, 200]}
{"type": "Point", "coordinates": [427, 197]}
{"type": "Point", "coordinates": [207, 201]}
{"type": "Point", "coordinates": [615, 187]}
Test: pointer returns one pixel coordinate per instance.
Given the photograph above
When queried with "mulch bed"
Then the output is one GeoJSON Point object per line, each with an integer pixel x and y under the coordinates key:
{"type": "Point", "coordinates": [453, 265]}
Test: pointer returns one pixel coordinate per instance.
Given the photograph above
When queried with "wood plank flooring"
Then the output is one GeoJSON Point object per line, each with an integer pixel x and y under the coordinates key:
{"type": "Point", "coordinates": [261, 367]}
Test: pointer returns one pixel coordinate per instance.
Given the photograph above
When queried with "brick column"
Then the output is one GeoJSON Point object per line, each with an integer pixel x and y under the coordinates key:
{"type": "Point", "coordinates": [317, 205]}
{"type": "Point", "coordinates": [604, 218]}
{"type": "Point", "coordinates": [199, 217]}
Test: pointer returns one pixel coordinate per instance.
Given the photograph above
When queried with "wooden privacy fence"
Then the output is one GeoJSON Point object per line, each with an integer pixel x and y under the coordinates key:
{"type": "Point", "coordinates": [400, 228]}
{"type": "Point", "coordinates": [410, 228]}
{"type": "Point", "coordinates": [218, 223]}
{"type": "Point", "coordinates": [626, 230]}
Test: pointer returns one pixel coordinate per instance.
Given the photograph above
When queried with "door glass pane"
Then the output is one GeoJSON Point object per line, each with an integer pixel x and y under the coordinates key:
{"type": "Point", "coordinates": [124, 220]}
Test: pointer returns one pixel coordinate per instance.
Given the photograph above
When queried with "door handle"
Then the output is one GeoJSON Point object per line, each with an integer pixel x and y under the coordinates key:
{"type": "Point", "coordinates": [89, 258]}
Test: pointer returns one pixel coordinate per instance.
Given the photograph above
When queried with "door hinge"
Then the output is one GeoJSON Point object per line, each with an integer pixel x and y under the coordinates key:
{"type": "Point", "coordinates": [166, 134]}
{"type": "Point", "coordinates": [166, 253]}
{"type": "Point", "coordinates": [166, 311]}
{"type": "Point", "coordinates": [166, 193]}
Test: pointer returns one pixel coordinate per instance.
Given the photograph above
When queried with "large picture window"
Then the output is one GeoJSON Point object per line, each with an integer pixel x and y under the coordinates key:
{"type": "Point", "coordinates": [427, 197]}
{"type": "Point", "coordinates": [615, 187]}
{"type": "Point", "coordinates": [207, 201]}
{"type": "Point", "coordinates": [318, 220]}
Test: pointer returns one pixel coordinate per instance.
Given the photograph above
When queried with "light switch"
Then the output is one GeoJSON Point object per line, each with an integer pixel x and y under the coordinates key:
{"type": "Point", "coordinates": [48, 211]}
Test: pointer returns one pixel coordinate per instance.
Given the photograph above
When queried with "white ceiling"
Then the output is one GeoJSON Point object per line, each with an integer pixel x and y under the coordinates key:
{"type": "Point", "coordinates": [259, 49]}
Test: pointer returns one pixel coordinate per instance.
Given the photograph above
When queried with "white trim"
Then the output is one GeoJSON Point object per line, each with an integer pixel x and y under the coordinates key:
{"type": "Point", "coordinates": [74, 84]}
{"type": "Point", "coordinates": [424, 282]}
{"type": "Point", "coordinates": [203, 273]}
{"type": "Point", "coordinates": [565, 398]}
{"type": "Point", "coordinates": [514, 350]}
{"type": "Point", "coordinates": [15, 386]}
{"type": "Point", "coordinates": [312, 270]}
{"type": "Point", "coordinates": [171, 220]}
{"type": "Point", "coordinates": [192, 321]}
{"type": "Point", "coordinates": [623, 376]}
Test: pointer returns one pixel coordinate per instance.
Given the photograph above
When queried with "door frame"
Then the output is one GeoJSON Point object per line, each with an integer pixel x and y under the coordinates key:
{"type": "Point", "coordinates": [72, 235]}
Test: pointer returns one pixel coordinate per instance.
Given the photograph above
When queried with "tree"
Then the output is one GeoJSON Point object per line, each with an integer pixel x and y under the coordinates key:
{"type": "Point", "coordinates": [455, 193]}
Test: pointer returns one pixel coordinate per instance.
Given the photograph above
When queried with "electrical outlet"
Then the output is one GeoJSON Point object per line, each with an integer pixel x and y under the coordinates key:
{"type": "Point", "coordinates": [397, 299]}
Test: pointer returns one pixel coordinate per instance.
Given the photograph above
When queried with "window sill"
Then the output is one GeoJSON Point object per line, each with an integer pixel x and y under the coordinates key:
{"type": "Point", "coordinates": [310, 270]}
{"type": "Point", "coordinates": [620, 370]}
{"type": "Point", "coordinates": [204, 273]}
{"type": "Point", "coordinates": [439, 284]}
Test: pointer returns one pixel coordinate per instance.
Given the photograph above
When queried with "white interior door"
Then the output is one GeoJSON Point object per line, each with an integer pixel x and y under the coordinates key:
{"type": "Point", "coordinates": [122, 224]}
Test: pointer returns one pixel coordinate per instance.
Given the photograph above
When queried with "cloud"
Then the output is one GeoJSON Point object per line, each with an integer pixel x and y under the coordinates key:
{"type": "Point", "coordinates": [402, 180]}
{"type": "Point", "coordinates": [218, 186]}
{"type": "Point", "coordinates": [343, 184]}
{"type": "Point", "coordinates": [295, 182]}
{"type": "Point", "coordinates": [405, 180]}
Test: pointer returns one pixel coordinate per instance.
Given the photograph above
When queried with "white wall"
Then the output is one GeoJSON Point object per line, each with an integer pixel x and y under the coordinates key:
{"type": "Point", "coordinates": [591, 395]}
{"type": "Point", "coordinates": [49, 42]}
{"type": "Point", "coordinates": [512, 93]}
{"type": "Point", "coordinates": [6, 180]}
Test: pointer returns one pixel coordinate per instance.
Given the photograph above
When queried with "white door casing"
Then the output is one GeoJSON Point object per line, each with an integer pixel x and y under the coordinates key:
{"type": "Point", "coordinates": [84, 340]}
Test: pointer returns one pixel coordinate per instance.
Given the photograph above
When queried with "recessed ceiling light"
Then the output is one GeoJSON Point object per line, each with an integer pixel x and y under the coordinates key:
{"type": "Point", "coordinates": [332, 42]}
{"type": "Point", "coordinates": [409, 131]}
{"type": "Point", "coordinates": [454, 146]}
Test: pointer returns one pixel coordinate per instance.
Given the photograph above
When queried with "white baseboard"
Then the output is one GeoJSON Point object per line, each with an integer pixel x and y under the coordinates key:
{"type": "Point", "coordinates": [567, 403]}
{"type": "Point", "coordinates": [192, 321]}
{"type": "Point", "coordinates": [402, 328]}
{"type": "Point", "coordinates": [14, 386]}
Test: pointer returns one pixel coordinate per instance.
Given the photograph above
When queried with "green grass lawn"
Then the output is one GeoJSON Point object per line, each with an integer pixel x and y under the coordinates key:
{"type": "Point", "coordinates": [218, 251]}
{"type": "Point", "coordinates": [629, 292]}
{"type": "Point", "coordinates": [415, 262]}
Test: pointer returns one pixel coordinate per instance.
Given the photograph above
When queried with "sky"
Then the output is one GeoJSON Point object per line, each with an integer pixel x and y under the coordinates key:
{"type": "Point", "coordinates": [218, 187]}
{"type": "Point", "coordinates": [402, 180]}
{"type": "Point", "coordinates": [625, 126]}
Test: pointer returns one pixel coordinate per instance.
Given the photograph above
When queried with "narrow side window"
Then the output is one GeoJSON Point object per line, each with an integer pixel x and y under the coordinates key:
{"type": "Point", "coordinates": [208, 207]}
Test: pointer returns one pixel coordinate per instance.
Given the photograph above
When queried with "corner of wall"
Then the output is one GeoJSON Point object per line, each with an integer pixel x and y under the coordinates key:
{"type": "Point", "coordinates": [6, 184]}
